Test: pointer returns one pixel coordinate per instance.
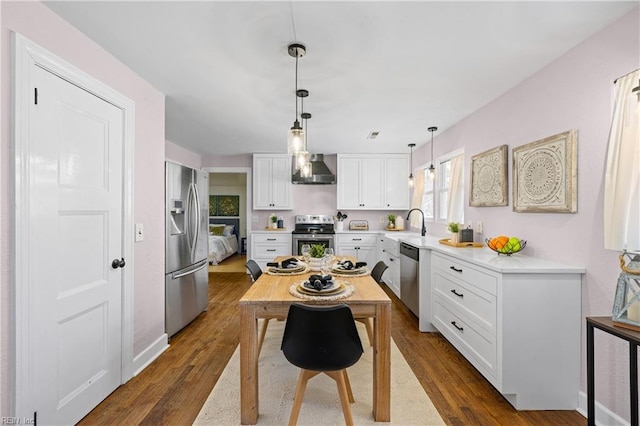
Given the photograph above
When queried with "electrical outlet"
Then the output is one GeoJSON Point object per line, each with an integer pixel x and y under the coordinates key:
{"type": "Point", "coordinates": [139, 232]}
{"type": "Point", "coordinates": [382, 219]}
{"type": "Point", "coordinates": [479, 227]}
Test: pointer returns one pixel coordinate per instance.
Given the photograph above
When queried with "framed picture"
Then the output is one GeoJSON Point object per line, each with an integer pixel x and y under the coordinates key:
{"type": "Point", "coordinates": [489, 184]}
{"type": "Point", "coordinates": [545, 175]}
{"type": "Point", "coordinates": [224, 205]}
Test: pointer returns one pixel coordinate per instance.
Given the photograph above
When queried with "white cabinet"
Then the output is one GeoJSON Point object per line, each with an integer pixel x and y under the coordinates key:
{"type": "Point", "coordinates": [373, 182]}
{"type": "Point", "coordinates": [390, 256]}
{"type": "Point", "coordinates": [267, 245]}
{"type": "Point", "coordinates": [520, 328]}
{"type": "Point", "coordinates": [362, 246]}
{"type": "Point", "coordinates": [272, 182]}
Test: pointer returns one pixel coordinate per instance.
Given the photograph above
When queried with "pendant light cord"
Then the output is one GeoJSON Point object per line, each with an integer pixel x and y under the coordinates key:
{"type": "Point", "coordinates": [296, 92]}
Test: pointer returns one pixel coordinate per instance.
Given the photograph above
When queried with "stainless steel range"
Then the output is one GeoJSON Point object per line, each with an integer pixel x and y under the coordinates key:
{"type": "Point", "coordinates": [313, 229]}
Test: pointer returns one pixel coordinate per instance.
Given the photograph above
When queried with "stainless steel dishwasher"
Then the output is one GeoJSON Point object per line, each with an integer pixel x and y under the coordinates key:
{"type": "Point", "coordinates": [409, 289]}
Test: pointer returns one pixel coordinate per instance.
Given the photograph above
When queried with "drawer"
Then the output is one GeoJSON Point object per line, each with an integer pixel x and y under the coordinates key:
{"type": "Point", "coordinates": [352, 238]}
{"type": "Point", "coordinates": [464, 271]}
{"type": "Point", "coordinates": [390, 246]}
{"type": "Point", "coordinates": [269, 238]}
{"type": "Point", "coordinates": [269, 251]}
{"type": "Point", "coordinates": [477, 346]}
{"type": "Point", "coordinates": [479, 306]}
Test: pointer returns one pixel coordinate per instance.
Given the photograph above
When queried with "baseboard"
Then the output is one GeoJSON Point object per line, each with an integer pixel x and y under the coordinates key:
{"type": "Point", "coordinates": [604, 416]}
{"type": "Point", "coordinates": [152, 352]}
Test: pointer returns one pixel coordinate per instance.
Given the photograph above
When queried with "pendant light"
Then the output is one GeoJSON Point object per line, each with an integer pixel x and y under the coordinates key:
{"type": "Point", "coordinates": [305, 168]}
{"type": "Point", "coordinates": [302, 156]}
{"type": "Point", "coordinates": [432, 169]}
{"type": "Point", "coordinates": [411, 182]}
{"type": "Point", "coordinates": [296, 139]}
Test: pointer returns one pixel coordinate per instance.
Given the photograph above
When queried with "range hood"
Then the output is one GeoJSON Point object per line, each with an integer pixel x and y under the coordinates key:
{"type": "Point", "coordinates": [320, 173]}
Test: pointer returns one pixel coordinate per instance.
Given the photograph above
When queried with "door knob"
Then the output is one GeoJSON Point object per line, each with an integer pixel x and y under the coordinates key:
{"type": "Point", "coordinates": [118, 263]}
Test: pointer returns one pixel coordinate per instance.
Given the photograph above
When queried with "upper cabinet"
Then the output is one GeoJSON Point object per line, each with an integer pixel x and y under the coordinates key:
{"type": "Point", "coordinates": [373, 181]}
{"type": "Point", "coordinates": [272, 182]}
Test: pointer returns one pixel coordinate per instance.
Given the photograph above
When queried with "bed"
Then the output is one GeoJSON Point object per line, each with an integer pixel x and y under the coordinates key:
{"type": "Point", "coordinates": [223, 239]}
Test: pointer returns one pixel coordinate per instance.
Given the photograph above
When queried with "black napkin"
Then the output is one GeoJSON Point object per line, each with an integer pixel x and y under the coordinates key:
{"type": "Point", "coordinates": [287, 263]}
{"type": "Point", "coordinates": [348, 265]}
{"type": "Point", "coordinates": [319, 282]}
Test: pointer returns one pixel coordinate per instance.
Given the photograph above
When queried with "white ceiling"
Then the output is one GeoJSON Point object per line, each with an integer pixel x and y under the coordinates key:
{"type": "Point", "coordinates": [392, 67]}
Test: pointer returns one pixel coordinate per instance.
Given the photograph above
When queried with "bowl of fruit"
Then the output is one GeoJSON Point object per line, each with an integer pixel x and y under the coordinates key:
{"type": "Point", "coordinates": [506, 245]}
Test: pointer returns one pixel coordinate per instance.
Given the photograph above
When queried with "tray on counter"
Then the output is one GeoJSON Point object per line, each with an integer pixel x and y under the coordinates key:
{"type": "Point", "coordinates": [447, 241]}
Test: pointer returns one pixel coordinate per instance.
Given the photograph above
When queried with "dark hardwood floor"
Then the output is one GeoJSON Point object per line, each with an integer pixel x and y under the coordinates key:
{"type": "Point", "coordinates": [173, 388]}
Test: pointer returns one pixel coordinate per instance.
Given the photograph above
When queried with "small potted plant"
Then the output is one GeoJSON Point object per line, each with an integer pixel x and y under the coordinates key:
{"type": "Point", "coordinates": [454, 228]}
{"type": "Point", "coordinates": [274, 222]}
{"type": "Point", "coordinates": [317, 252]}
{"type": "Point", "coordinates": [392, 221]}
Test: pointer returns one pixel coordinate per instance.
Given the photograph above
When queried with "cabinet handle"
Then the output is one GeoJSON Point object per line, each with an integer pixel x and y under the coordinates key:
{"type": "Point", "coordinates": [356, 239]}
{"type": "Point", "coordinates": [271, 249]}
{"type": "Point", "coordinates": [391, 259]}
{"type": "Point", "coordinates": [456, 293]}
{"type": "Point", "coordinates": [271, 239]}
{"type": "Point", "coordinates": [453, 323]}
{"type": "Point", "coordinates": [455, 269]}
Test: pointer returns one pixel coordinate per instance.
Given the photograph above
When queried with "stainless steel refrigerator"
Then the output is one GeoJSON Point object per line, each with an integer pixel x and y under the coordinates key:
{"type": "Point", "coordinates": [186, 245]}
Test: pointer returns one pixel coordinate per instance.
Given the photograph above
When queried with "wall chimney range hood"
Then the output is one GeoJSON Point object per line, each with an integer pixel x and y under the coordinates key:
{"type": "Point", "coordinates": [320, 173]}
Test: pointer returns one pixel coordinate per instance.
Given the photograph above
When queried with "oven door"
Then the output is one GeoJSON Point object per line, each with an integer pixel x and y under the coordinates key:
{"type": "Point", "coordinates": [300, 239]}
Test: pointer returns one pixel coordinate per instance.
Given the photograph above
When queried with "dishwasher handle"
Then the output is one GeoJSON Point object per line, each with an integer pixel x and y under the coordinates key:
{"type": "Point", "coordinates": [409, 251]}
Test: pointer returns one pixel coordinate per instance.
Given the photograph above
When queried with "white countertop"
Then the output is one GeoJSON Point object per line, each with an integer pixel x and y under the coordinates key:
{"type": "Point", "coordinates": [518, 263]}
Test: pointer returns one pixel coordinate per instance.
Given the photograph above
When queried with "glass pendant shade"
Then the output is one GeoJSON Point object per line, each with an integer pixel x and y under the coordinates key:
{"type": "Point", "coordinates": [305, 170]}
{"type": "Point", "coordinates": [296, 139]}
{"type": "Point", "coordinates": [302, 158]}
{"type": "Point", "coordinates": [432, 171]}
{"type": "Point", "coordinates": [411, 180]}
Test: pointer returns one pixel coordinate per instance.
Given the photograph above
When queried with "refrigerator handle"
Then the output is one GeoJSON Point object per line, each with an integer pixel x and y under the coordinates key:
{"type": "Point", "coordinates": [197, 267]}
{"type": "Point", "coordinates": [196, 229]}
{"type": "Point", "coordinates": [189, 221]}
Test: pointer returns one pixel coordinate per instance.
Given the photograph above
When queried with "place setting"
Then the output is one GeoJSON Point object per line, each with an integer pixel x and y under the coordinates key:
{"type": "Point", "coordinates": [290, 266]}
{"type": "Point", "coordinates": [347, 268]}
{"type": "Point", "coordinates": [321, 287]}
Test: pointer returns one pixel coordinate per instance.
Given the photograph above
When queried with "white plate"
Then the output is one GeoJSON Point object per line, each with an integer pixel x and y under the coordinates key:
{"type": "Point", "coordinates": [337, 286]}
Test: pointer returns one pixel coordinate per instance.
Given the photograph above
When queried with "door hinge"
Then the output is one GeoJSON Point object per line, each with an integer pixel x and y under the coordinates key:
{"type": "Point", "coordinates": [35, 95]}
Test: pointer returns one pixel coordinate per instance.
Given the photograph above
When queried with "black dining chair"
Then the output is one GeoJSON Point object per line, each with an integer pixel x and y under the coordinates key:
{"type": "Point", "coordinates": [321, 339]}
{"type": "Point", "coordinates": [376, 274]}
{"type": "Point", "coordinates": [255, 271]}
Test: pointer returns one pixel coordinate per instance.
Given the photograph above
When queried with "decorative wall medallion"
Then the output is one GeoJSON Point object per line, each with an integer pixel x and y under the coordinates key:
{"type": "Point", "coordinates": [545, 175]}
{"type": "Point", "coordinates": [489, 184]}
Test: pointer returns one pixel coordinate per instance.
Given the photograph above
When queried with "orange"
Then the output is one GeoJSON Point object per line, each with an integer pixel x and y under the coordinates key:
{"type": "Point", "coordinates": [499, 242]}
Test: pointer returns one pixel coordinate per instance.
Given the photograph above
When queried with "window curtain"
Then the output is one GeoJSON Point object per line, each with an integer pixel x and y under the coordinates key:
{"type": "Point", "coordinates": [622, 175]}
{"type": "Point", "coordinates": [455, 207]}
{"type": "Point", "coordinates": [416, 199]}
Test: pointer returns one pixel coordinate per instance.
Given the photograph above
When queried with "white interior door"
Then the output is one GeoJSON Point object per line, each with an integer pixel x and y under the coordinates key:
{"type": "Point", "coordinates": [75, 210]}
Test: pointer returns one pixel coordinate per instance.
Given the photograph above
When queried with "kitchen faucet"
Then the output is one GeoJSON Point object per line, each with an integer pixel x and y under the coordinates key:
{"type": "Point", "coordinates": [424, 228]}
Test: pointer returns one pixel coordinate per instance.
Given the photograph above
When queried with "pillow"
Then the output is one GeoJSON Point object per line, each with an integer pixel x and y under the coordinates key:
{"type": "Point", "coordinates": [228, 230]}
{"type": "Point", "coordinates": [216, 229]}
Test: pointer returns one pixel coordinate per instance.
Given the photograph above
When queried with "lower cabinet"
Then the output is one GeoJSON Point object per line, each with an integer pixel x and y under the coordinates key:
{"type": "Point", "coordinates": [390, 256]}
{"type": "Point", "coordinates": [362, 246]}
{"type": "Point", "coordinates": [521, 330]}
{"type": "Point", "coordinates": [267, 245]}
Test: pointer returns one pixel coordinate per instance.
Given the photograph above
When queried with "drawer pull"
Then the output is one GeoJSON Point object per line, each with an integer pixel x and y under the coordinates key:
{"type": "Point", "coordinates": [455, 269]}
{"type": "Point", "coordinates": [271, 239]}
{"type": "Point", "coordinates": [271, 249]}
{"type": "Point", "coordinates": [453, 323]}
{"type": "Point", "coordinates": [456, 293]}
{"type": "Point", "coordinates": [356, 239]}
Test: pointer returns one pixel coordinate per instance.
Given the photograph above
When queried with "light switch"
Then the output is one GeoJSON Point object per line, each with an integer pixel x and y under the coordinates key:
{"type": "Point", "coordinates": [479, 227]}
{"type": "Point", "coordinates": [139, 232]}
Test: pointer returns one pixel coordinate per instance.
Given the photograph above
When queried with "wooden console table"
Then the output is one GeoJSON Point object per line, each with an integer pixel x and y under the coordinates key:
{"type": "Point", "coordinates": [633, 337]}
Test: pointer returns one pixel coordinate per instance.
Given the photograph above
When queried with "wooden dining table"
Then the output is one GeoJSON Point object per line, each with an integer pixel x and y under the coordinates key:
{"type": "Point", "coordinates": [269, 297]}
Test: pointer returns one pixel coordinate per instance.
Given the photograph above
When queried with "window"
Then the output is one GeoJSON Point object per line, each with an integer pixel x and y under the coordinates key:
{"type": "Point", "coordinates": [443, 170]}
{"type": "Point", "coordinates": [428, 202]}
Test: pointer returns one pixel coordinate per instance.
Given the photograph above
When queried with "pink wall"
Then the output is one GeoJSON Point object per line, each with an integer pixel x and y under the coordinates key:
{"type": "Point", "coordinates": [180, 155]}
{"type": "Point", "coordinates": [39, 24]}
{"type": "Point", "coordinates": [574, 92]}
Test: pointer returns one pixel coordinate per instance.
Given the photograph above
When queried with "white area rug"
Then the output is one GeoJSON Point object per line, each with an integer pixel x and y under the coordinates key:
{"type": "Point", "coordinates": [321, 406]}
